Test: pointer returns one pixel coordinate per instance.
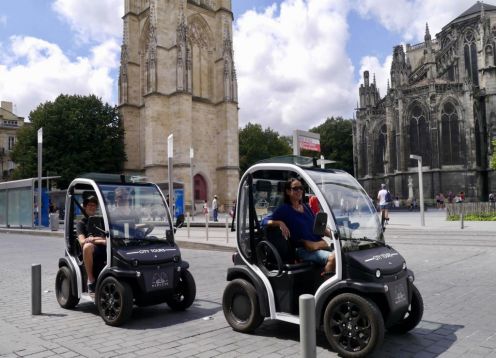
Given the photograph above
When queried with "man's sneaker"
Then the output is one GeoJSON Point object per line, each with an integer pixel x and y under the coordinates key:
{"type": "Point", "coordinates": [91, 287]}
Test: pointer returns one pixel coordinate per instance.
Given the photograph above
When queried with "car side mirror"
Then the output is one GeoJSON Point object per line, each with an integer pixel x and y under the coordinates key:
{"type": "Point", "coordinates": [320, 224]}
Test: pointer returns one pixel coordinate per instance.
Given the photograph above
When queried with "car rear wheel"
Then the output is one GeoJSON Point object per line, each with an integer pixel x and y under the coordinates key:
{"type": "Point", "coordinates": [63, 289]}
{"type": "Point", "coordinates": [184, 293]}
{"type": "Point", "coordinates": [240, 305]}
{"type": "Point", "coordinates": [114, 300]}
{"type": "Point", "coordinates": [412, 316]}
{"type": "Point", "coordinates": [353, 325]}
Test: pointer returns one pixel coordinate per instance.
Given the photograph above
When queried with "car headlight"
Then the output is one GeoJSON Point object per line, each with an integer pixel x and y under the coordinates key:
{"type": "Point", "coordinates": [378, 273]}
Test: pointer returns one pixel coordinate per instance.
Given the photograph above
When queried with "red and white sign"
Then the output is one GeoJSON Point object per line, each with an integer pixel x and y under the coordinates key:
{"type": "Point", "coordinates": [309, 143]}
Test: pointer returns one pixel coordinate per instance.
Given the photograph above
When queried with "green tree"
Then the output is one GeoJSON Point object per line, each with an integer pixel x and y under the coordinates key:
{"type": "Point", "coordinates": [80, 134]}
{"type": "Point", "coordinates": [256, 144]}
{"type": "Point", "coordinates": [336, 142]}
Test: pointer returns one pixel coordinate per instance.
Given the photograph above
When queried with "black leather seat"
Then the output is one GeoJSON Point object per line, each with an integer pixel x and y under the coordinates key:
{"type": "Point", "coordinates": [285, 249]}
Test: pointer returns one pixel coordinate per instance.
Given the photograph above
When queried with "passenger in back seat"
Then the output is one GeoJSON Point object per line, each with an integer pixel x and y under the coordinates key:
{"type": "Point", "coordinates": [295, 221]}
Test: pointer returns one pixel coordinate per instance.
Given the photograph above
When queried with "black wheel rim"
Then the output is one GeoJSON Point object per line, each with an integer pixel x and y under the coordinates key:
{"type": "Point", "coordinates": [240, 307]}
{"type": "Point", "coordinates": [350, 326]}
{"type": "Point", "coordinates": [110, 301]}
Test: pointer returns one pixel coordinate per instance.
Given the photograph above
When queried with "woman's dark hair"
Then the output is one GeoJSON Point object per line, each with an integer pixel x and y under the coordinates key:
{"type": "Point", "coordinates": [287, 186]}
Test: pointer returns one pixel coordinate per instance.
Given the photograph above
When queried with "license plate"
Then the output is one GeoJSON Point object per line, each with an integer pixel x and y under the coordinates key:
{"type": "Point", "coordinates": [159, 279]}
{"type": "Point", "coordinates": [399, 293]}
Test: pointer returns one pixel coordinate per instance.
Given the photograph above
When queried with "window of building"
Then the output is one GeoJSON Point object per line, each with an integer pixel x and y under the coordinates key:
{"type": "Point", "coordinates": [470, 55]}
{"type": "Point", "coordinates": [381, 150]}
{"type": "Point", "coordinates": [364, 151]}
{"type": "Point", "coordinates": [11, 143]}
{"type": "Point", "coordinates": [450, 135]}
{"type": "Point", "coordinates": [420, 143]}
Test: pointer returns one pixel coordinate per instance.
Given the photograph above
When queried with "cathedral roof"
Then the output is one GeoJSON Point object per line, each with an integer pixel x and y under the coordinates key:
{"type": "Point", "coordinates": [474, 10]}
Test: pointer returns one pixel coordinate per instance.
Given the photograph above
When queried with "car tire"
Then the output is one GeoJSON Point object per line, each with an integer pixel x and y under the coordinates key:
{"type": "Point", "coordinates": [63, 289]}
{"type": "Point", "coordinates": [413, 316]}
{"type": "Point", "coordinates": [114, 301]}
{"type": "Point", "coordinates": [353, 325]}
{"type": "Point", "coordinates": [240, 305]}
{"type": "Point", "coordinates": [184, 293]}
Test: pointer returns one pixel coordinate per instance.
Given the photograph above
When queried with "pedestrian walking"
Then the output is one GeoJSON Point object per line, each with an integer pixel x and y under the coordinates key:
{"type": "Point", "coordinates": [215, 208]}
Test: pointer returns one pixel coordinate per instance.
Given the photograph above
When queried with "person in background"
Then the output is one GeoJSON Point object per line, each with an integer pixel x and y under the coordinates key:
{"type": "Point", "coordinates": [383, 202]}
{"type": "Point", "coordinates": [215, 208]}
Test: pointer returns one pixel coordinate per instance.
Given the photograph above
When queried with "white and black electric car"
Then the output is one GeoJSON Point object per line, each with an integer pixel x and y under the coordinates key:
{"type": "Point", "coordinates": [143, 264]}
{"type": "Point", "coordinates": [372, 288]}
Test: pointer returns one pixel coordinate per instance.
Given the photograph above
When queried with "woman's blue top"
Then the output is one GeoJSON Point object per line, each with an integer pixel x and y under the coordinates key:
{"type": "Point", "coordinates": [300, 225]}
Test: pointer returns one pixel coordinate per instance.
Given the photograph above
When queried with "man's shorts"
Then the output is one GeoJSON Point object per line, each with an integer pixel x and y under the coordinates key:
{"type": "Point", "coordinates": [320, 257]}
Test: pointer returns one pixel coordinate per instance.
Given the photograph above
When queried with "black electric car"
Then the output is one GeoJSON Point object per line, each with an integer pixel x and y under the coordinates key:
{"type": "Point", "coordinates": [372, 288]}
{"type": "Point", "coordinates": [143, 264]}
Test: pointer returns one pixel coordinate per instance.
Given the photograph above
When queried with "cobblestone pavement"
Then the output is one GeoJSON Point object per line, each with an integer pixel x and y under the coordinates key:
{"type": "Point", "coordinates": [454, 272]}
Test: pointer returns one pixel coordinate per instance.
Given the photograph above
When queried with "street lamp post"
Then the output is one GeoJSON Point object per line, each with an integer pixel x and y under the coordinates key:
{"type": "Point", "coordinates": [170, 143]}
{"type": "Point", "coordinates": [40, 147]}
{"type": "Point", "coordinates": [421, 187]}
{"type": "Point", "coordinates": [191, 156]}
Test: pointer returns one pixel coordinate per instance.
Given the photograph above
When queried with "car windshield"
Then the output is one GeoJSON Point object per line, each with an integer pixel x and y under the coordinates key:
{"type": "Point", "coordinates": [355, 216]}
{"type": "Point", "coordinates": [136, 212]}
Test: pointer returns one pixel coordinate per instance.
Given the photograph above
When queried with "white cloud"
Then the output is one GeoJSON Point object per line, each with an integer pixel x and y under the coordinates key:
{"type": "Point", "coordinates": [293, 70]}
{"type": "Point", "coordinates": [408, 17]}
{"type": "Point", "coordinates": [38, 71]}
{"type": "Point", "coordinates": [92, 20]}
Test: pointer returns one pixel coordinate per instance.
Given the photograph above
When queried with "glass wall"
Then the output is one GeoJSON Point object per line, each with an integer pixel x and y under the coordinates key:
{"type": "Point", "coordinates": [3, 207]}
{"type": "Point", "coordinates": [20, 201]}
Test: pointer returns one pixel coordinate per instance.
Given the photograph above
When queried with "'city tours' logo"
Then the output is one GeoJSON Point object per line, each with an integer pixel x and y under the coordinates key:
{"type": "Point", "coordinates": [160, 280]}
{"type": "Point", "coordinates": [381, 257]}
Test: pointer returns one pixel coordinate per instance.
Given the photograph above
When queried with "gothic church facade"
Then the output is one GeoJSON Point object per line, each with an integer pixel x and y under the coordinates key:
{"type": "Point", "coordinates": [441, 105]}
{"type": "Point", "coordinates": [177, 76]}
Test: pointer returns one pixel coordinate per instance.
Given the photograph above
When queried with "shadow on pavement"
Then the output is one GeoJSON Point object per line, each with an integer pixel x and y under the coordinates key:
{"type": "Point", "coordinates": [433, 338]}
{"type": "Point", "coordinates": [159, 316]}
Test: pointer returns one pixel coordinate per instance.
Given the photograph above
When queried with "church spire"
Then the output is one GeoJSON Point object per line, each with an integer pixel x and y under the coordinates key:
{"type": "Point", "coordinates": [427, 37]}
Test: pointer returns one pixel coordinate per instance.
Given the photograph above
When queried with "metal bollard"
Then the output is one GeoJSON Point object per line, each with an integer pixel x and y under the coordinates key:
{"type": "Point", "coordinates": [206, 225]}
{"type": "Point", "coordinates": [227, 229]}
{"type": "Point", "coordinates": [307, 326]}
{"type": "Point", "coordinates": [36, 289]}
{"type": "Point", "coordinates": [187, 223]}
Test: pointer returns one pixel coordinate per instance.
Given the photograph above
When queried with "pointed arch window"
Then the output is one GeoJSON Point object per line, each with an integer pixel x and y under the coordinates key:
{"type": "Point", "coordinates": [380, 151]}
{"type": "Point", "coordinates": [470, 55]}
{"type": "Point", "coordinates": [364, 151]}
{"type": "Point", "coordinates": [420, 143]}
{"type": "Point", "coordinates": [450, 135]}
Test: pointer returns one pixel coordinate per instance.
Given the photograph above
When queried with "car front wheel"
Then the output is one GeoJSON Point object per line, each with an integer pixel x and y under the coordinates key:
{"type": "Point", "coordinates": [114, 300]}
{"type": "Point", "coordinates": [412, 316]}
{"type": "Point", "coordinates": [240, 305]}
{"type": "Point", "coordinates": [63, 289]}
{"type": "Point", "coordinates": [353, 325]}
{"type": "Point", "coordinates": [184, 293]}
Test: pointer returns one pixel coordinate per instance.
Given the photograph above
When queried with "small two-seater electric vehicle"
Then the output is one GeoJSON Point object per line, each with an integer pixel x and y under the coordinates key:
{"type": "Point", "coordinates": [372, 288]}
{"type": "Point", "coordinates": [143, 264]}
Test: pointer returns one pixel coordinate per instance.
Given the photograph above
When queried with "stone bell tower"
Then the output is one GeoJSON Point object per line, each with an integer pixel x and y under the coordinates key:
{"type": "Point", "coordinates": [177, 76]}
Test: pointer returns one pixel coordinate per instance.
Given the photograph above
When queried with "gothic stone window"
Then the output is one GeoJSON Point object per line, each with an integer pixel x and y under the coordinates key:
{"type": "Point", "coordinates": [380, 152]}
{"type": "Point", "coordinates": [450, 135]}
{"type": "Point", "coordinates": [470, 55]}
{"type": "Point", "coordinates": [364, 151]}
{"type": "Point", "coordinates": [420, 143]}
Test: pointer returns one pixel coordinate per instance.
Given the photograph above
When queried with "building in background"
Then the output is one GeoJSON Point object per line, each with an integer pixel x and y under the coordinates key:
{"type": "Point", "coordinates": [9, 125]}
{"type": "Point", "coordinates": [177, 76]}
{"type": "Point", "coordinates": [441, 105]}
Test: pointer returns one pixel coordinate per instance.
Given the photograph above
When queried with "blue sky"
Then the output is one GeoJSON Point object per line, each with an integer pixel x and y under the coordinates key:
{"type": "Point", "coordinates": [298, 61]}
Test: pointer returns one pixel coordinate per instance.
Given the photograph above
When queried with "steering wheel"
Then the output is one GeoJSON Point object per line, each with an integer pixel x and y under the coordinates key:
{"type": "Point", "coordinates": [148, 228]}
{"type": "Point", "coordinates": [268, 257]}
